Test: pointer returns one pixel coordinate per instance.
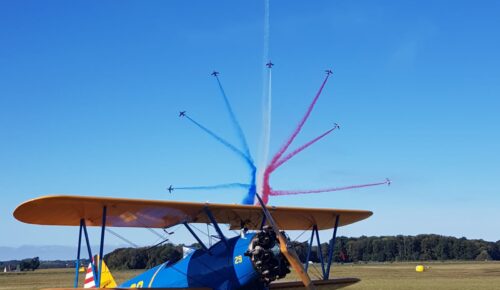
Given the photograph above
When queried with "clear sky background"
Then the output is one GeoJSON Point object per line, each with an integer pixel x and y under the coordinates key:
{"type": "Point", "coordinates": [90, 92]}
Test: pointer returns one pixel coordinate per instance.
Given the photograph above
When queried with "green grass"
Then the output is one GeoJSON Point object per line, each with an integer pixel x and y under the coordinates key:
{"type": "Point", "coordinates": [480, 275]}
{"type": "Point", "coordinates": [440, 276]}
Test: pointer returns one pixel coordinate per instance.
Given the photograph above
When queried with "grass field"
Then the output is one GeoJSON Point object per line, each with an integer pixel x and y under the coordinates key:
{"type": "Point", "coordinates": [439, 276]}
{"type": "Point", "coordinates": [483, 275]}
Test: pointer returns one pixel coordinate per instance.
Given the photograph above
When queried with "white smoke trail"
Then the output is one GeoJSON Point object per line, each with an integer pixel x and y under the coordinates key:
{"type": "Point", "coordinates": [265, 138]}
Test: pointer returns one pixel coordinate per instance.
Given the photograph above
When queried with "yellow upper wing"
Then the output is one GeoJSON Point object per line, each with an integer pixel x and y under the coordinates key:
{"type": "Point", "coordinates": [121, 212]}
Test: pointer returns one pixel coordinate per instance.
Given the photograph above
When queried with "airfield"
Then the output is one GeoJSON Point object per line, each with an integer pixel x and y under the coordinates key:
{"type": "Point", "coordinates": [439, 275]}
{"type": "Point", "coordinates": [165, 116]}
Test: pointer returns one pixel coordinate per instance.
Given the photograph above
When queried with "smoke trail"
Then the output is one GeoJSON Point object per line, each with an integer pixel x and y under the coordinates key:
{"type": "Point", "coordinates": [224, 142]}
{"type": "Point", "coordinates": [217, 186]}
{"type": "Point", "coordinates": [300, 125]}
{"type": "Point", "coordinates": [266, 131]}
{"type": "Point", "coordinates": [252, 190]}
{"type": "Point", "coordinates": [266, 188]}
{"type": "Point", "coordinates": [289, 192]}
{"type": "Point", "coordinates": [235, 122]}
{"type": "Point", "coordinates": [300, 149]}
{"type": "Point", "coordinates": [248, 199]}
{"type": "Point", "coordinates": [265, 138]}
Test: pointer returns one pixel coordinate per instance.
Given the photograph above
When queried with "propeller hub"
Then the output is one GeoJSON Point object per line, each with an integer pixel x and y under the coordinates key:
{"type": "Point", "coordinates": [266, 256]}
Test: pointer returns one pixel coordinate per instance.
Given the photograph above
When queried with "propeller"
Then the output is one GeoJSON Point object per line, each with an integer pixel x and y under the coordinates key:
{"type": "Point", "coordinates": [287, 249]}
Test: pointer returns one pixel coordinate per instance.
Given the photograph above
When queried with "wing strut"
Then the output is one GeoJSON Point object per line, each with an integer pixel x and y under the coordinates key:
{"type": "Point", "coordinates": [216, 225]}
{"type": "Point", "coordinates": [83, 228]}
{"type": "Point", "coordinates": [320, 255]}
{"type": "Point", "coordinates": [77, 264]}
{"type": "Point", "coordinates": [331, 246]}
{"type": "Point", "coordinates": [101, 248]}
{"type": "Point", "coordinates": [309, 250]}
{"type": "Point", "coordinates": [195, 236]}
{"type": "Point", "coordinates": [330, 250]}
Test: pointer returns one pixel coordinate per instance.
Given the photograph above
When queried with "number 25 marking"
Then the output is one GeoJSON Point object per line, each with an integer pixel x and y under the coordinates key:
{"type": "Point", "coordinates": [138, 285]}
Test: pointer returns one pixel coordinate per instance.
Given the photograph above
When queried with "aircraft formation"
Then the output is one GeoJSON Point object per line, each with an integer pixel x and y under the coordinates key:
{"type": "Point", "coordinates": [251, 187]}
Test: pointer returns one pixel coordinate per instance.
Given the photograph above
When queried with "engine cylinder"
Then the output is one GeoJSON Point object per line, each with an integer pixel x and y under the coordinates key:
{"type": "Point", "coordinates": [266, 256]}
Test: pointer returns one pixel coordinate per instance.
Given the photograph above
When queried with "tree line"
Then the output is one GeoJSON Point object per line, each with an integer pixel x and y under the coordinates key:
{"type": "Point", "coordinates": [405, 248]}
{"type": "Point", "coordinates": [30, 264]}
{"type": "Point", "coordinates": [143, 258]}
{"type": "Point", "coordinates": [346, 250]}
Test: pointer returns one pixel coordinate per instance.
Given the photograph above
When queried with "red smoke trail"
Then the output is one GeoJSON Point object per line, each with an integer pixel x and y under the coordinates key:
{"type": "Point", "coordinates": [266, 188]}
{"type": "Point", "coordinates": [300, 149]}
{"type": "Point", "coordinates": [301, 123]}
{"type": "Point", "coordinates": [288, 192]}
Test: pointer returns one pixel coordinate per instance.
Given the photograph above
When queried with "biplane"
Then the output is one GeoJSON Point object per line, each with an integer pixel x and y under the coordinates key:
{"type": "Point", "coordinates": [256, 259]}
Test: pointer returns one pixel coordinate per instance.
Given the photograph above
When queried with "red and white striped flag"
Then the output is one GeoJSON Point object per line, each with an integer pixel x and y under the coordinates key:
{"type": "Point", "coordinates": [89, 278]}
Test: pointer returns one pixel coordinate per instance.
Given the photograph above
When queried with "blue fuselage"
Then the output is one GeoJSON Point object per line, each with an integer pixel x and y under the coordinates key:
{"type": "Point", "coordinates": [222, 267]}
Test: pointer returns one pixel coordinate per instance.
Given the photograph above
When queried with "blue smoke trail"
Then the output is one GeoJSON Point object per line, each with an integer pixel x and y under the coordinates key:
{"type": "Point", "coordinates": [217, 186]}
{"type": "Point", "coordinates": [249, 198]}
{"type": "Point", "coordinates": [235, 122]}
{"type": "Point", "coordinates": [224, 142]}
{"type": "Point", "coordinates": [252, 188]}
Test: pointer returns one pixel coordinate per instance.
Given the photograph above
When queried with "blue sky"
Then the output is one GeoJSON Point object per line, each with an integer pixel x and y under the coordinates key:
{"type": "Point", "coordinates": [89, 95]}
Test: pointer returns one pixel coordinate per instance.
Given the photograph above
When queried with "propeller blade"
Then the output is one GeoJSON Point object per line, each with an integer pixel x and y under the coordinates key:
{"type": "Point", "coordinates": [287, 250]}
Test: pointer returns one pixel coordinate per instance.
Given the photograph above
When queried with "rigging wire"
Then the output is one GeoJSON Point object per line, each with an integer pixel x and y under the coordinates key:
{"type": "Point", "coordinates": [200, 231]}
{"type": "Point", "coordinates": [122, 238]}
{"type": "Point", "coordinates": [318, 274]}
{"type": "Point", "coordinates": [209, 236]}
{"type": "Point", "coordinates": [301, 234]}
